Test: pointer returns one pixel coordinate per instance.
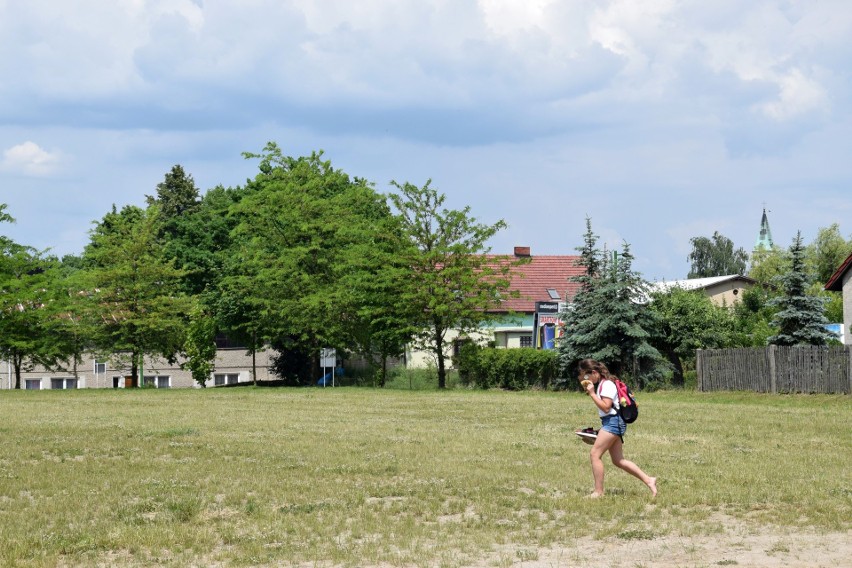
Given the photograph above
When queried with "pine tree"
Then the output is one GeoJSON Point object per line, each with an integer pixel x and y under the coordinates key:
{"type": "Point", "coordinates": [800, 318]}
{"type": "Point", "coordinates": [607, 319]}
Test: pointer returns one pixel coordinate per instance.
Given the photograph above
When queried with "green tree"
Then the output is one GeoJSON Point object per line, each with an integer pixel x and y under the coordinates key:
{"type": "Point", "coordinates": [177, 195]}
{"type": "Point", "coordinates": [200, 345]}
{"type": "Point", "coordinates": [302, 228]}
{"type": "Point", "coordinates": [194, 229]}
{"type": "Point", "coordinates": [24, 317]}
{"type": "Point", "coordinates": [688, 321]}
{"type": "Point", "coordinates": [383, 324]}
{"type": "Point", "coordinates": [827, 252]}
{"type": "Point", "coordinates": [134, 290]}
{"type": "Point", "coordinates": [800, 318]}
{"type": "Point", "coordinates": [453, 283]}
{"type": "Point", "coordinates": [768, 265]}
{"type": "Point", "coordinates": [70, 325]}
{"type": "Point", "coordinates": [239, 312]}
{"type": "Point", "coordinates": [825, 255]}
{"type": "Point", "coordinates": [608, 319]}
{"type": "Point", "coordinates": [753, 316]}
{"type": "Point", "coordinates": [715, 256]}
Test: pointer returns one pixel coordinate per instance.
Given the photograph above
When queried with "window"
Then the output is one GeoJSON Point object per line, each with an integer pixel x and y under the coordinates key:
{"type": "Point", "coordinates": [100, 368]}
{"type": "Point", "coordinates": [457, 345]}
{"type": "Point", "coordinates": [33, 384]}
{"type": "Point", "coordinates": [226, 379]}
{"type": "Point", "coordinates": [63, 383]}
{"type": "Point", "coordinates": [526, 341]}
{"type": "Point", "coordinates": [554, 295]}
{"type": "Point", "coordinates": [158, 381]}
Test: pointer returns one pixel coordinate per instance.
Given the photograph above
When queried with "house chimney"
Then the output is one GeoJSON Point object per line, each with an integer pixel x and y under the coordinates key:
{"type": "Point", "coordinates": [522, 251]}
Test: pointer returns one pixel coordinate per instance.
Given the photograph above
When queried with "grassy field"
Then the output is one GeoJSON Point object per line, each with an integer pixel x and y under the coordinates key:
{"type": "Point", "coordinates": [363, 477]}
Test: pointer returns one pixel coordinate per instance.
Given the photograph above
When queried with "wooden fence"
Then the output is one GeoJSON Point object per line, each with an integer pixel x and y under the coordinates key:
{"type": "Point", "coordinates": [776, 369]}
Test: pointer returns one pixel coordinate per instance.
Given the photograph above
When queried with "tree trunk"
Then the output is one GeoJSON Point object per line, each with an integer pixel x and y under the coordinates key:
{"type": "Point", "coordinates": [677, 376]}
{"type": "Point", "coordinates": [442, 371]}
{"type": "Point", "coordinates": [253, 358]}
{"type": "Point", "coordinates": [134, 370]}
{"type": "Point", "coordinates": [17, 361]}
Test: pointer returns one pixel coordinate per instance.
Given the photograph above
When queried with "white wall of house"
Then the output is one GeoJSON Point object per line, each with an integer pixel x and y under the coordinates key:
{"type": "Point", "coordinates": [510, 333]}
{"type": "Point", "coordinates": [230, 366]}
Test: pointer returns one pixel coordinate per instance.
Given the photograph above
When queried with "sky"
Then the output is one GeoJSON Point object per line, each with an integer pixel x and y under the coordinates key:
{"type": "Point", "coordinates": [659, 120]}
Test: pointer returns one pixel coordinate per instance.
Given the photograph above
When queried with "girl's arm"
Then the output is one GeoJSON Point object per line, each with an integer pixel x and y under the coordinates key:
{"type": "Point", "coordinates": [605, 404]}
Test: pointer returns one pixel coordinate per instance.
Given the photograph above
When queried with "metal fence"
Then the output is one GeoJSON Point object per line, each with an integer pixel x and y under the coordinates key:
{"type": "Point", "coordinates": [776, 369]}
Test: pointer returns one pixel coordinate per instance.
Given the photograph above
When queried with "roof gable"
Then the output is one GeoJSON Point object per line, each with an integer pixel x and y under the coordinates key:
{"type": "Point", "coordinates": [835, 283]}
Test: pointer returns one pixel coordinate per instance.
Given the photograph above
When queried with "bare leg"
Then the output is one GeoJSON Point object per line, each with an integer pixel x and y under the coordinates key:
{"type": "Point", "coordinates": [616, 452]}
{"type": "Point", "coordinates": [604, 442]}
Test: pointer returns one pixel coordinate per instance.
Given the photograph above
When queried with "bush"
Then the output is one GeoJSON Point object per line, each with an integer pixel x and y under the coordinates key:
{"type": "Point", "coordinates": [506, 368]}
{"type": "Point", "coordinates": [403, 378]}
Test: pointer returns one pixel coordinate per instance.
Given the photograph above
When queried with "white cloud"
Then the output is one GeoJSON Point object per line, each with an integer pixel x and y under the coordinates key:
{"type": "Point", "coordinates": [798, 95]}
{"type": "Point", "coordinates": [29, 159]}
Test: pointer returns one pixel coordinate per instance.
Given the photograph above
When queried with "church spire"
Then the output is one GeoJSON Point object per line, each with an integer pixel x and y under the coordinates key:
{"type": "Point", "coordinates": [764, 238]}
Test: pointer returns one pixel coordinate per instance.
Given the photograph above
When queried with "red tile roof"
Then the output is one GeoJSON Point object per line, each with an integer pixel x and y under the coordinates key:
{"type": "Point", "coordinates": [532, 281]}
{"type": "Point", "coordinates": [835, 283]}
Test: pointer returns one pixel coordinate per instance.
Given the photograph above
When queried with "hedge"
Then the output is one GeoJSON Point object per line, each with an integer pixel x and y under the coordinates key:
{"type": "Point", "coordinates": [506, 368]}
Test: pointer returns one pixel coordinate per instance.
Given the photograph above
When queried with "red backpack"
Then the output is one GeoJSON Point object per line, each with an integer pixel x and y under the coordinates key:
{"type": "Point", "coordinates": [627, 408]}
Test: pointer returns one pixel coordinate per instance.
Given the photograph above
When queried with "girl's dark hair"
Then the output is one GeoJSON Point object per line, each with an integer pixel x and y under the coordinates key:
{"type": "Point", "coordinates": [588, 365]}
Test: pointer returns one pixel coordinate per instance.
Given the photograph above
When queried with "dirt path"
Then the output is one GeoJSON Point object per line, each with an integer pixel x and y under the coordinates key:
{"type": "Point", "coordinates": [776, 549]}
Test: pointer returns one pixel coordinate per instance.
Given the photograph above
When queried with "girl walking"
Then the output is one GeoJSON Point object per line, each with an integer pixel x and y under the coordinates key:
{"type": "Point", "coordinates": [595, 379]}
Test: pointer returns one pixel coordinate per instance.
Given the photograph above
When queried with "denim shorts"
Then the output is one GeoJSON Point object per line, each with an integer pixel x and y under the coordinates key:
{"type": "Point", "coordinates": [614, 424]}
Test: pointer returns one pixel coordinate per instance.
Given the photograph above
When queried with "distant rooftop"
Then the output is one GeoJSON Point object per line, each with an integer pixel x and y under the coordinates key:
{"type": "Point", "coordinates": [696, 283]}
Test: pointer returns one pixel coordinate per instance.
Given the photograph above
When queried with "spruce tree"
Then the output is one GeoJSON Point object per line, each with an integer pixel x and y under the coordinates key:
{"type": "Point", "coordinates": [800, 318]}
{"type": "Point", "coordinates": [608, 319]}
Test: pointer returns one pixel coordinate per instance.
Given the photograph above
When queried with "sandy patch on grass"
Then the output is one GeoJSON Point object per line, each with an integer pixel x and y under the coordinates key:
{"type": "Point", "coordinates": [769, 549]}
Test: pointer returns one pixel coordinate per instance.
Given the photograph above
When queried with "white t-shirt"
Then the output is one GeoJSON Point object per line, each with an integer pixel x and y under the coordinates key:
{"type": "Point", "coordinates": [607, 389]}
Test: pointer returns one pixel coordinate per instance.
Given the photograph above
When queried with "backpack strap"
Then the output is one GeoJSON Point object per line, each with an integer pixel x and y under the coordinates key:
{"type": "Point", "coordinates": [600, 386]}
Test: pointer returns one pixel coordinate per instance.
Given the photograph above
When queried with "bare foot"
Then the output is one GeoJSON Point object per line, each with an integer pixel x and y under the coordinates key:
{"type": "Point", "coordinates": [594, 495]}
{"type": "Point", "coordinates": [652, 485]}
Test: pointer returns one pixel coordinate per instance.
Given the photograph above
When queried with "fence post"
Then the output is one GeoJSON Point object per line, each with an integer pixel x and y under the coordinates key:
{"type": "Point", "coordinates": [698, 369]}
{"type": "Point", "coordinates": [773, 381]}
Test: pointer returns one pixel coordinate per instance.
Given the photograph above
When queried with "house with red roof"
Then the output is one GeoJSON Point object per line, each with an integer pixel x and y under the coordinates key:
{"type": "Point", "coordinates": [544, 285]}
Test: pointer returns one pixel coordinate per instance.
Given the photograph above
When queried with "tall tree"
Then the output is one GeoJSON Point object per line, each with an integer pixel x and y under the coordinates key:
{"type": "Point", "coordinates": [715, 256]}
{"type": "Point", "coordinates": [800, 319]}
{"type": "Point", "coordinates": [24, 318]}
{"type": "Point", "coordinates": [454, 283]}
{"type": "Point", "coordinates": [135, 290]}
{"type": "Point", "coordinates": [302, 228]}
{"type": "Point", "coordinates": [177, 194]}
{"type": "Point", "coordinates": [608, 319]}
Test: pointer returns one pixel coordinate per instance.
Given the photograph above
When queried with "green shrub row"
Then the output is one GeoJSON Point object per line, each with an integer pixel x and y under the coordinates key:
{"type": "Point", "coordinates": [515, 369]}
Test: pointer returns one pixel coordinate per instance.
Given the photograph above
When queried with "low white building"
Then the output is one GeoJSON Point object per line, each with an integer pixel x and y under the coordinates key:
{"type": "Point", "coordinates": [231, 366]}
